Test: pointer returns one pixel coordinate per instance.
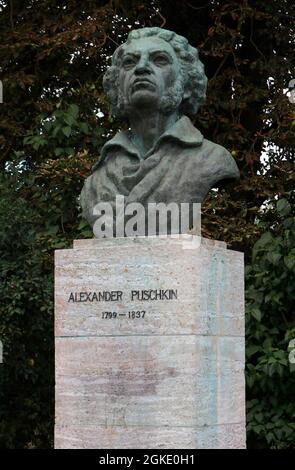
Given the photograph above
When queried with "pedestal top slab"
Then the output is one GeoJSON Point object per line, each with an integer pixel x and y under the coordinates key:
{"type": "Point", "coordinates": [149, 286]}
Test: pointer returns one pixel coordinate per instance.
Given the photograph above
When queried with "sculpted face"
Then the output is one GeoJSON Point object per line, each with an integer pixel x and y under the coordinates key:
{"type": "Point", "coordinates": [149, 68]}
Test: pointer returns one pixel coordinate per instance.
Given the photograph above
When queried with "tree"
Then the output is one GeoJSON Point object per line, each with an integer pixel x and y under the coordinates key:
{"type": "Point", "coordinates": [270, 326]}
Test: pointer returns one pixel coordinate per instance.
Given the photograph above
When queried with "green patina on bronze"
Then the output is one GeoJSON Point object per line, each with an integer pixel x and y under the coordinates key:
{"type": "Point", "coordinates": [156, 79]}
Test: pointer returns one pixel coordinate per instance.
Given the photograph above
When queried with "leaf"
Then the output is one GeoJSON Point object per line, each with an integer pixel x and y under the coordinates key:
{"type": "Point", "coordinates": [259, 418]}
{"type": "Point", "coordinates": [274, 258]}
{"type": "Point", "coordinates": [69, 150]}
{"type": "Point", "coordinates": [27, 140]}
{"type": "Point", "coordinates": [48, 125]}
{"type": "Point", "coordinates": [69, 119]}
{"type": "Point", "coordinates": [269, 437]}
{"type": "Point", "coordinates": [84, 127]}
{"type": "Point", "coordinates": [260, 245]}
{"type": "Point", "coordinates": [265, 239]}
{"type": "Point", "coordinates": [289, 223]}
{"type": "Point", "coordinates": [256, 313]}
{"type": "Point", "coordinates": [51, 230]}
{"type": "Point", "coordinates": [289, 261]}
{"type": "Point", "coordinates": [283, 207]}
{"type": "Point", "coordinates": [272, 369]}
{"type": "Point", "coordinates": [252, 349]}
{"type": "Point", "coordinates": [58, 151]}
{"type": "Point", "coordinates": [250, 380]}
{"type": "Point", "coordinates": [60, 244]}
{"type": "Point", "coordinates": [56, 129]}
{"type": "Point", "coordinates": [73, 110]}
{"type": "Point", "coordinates": [67, 131]}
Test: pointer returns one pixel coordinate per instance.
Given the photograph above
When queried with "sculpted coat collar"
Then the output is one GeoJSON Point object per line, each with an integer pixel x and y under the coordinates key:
{"type": "Point", "coordinates": [183, 132]}
{"type": "Point", "coordinates": [182, 167]}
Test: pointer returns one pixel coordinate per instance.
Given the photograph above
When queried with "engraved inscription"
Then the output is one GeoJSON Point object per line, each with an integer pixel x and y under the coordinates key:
{"type": "Point", "coordinates": [118, 295]}
{"type": "Point", "coordinates": [117, 311]}
{"type": "Point", "coordinates": [104, 296]}
{"type": "Point", "coordinates": [133, 314]}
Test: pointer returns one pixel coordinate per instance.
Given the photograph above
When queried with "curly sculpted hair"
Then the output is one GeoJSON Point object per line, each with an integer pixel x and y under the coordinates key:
{"type": "Point", "coordinates": [193, 77]}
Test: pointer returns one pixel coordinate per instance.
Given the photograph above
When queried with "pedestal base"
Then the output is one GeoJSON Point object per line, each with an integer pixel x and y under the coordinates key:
{"type": "Point", "coordinates": [149, 344]}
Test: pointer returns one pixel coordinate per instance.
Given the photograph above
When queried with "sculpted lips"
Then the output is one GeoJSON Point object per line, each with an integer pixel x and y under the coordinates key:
{"type": "Point", "coordinates": [142, 82]}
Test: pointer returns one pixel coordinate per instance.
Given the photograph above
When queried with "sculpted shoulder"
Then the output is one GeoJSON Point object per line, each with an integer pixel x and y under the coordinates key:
{"type": "Point", "coordinates": [89, 196]}
{"type": "Point", "coordinates": [218, 165]}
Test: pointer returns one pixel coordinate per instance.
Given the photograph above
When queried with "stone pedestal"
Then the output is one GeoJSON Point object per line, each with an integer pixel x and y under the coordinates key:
{"type": "Point", "coordinates": [149, 337]}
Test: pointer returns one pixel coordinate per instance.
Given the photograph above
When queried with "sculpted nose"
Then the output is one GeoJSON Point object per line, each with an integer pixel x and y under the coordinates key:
{"type": "Point", "coordinates": [143, 66]}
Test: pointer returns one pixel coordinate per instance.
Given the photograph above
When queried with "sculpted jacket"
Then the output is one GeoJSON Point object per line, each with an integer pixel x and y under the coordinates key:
{"type": "Point", "coordinates": [182, 167]}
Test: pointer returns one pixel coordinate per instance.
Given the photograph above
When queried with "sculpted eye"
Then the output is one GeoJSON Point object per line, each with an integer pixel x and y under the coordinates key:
{"type": "Point", "coordinates": [129, 62]}
{"type": "Point", "coordinates": [161, 59]}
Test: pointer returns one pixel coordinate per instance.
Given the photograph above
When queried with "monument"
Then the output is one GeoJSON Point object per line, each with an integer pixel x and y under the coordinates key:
{"type": "Point", "coordinates": [150, 329]}
{"type": "Point", "coordinates": [156, 78]}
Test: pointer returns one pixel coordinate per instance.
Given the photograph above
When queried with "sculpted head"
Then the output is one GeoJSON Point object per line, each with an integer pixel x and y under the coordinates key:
{"type": "Point", "coordinates": [155, 68]}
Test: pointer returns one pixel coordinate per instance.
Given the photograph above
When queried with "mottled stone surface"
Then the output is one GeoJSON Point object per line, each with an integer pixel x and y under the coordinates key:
{"type": "Point", "coordinates": [227, 436]}
{"type": "Point", "coordinates": [173, 379]}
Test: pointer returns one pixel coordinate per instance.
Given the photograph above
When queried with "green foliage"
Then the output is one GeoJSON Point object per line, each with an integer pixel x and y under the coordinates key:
{"type": "Point", "coordinates": [28, 236]}
{"type": "Point", "coordinates": [26, 327]}
{"type": "Point", "coordinates": [270, 325]}
{"type": "Point", "coordinates": [63, 134]}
